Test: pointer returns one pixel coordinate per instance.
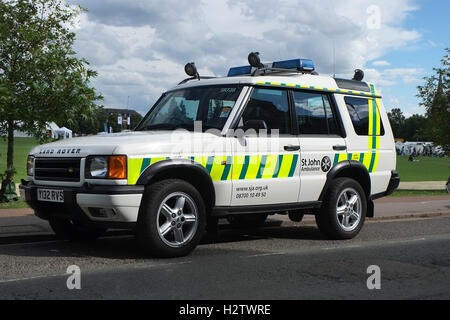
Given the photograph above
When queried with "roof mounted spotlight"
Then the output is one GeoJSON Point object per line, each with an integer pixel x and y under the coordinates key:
{"type": "Point", "coordinates": [253, 59]}
{"type": "Point", "coordinates": [359, 75]}
{"type": "Point", "coordinates": [191, 70]}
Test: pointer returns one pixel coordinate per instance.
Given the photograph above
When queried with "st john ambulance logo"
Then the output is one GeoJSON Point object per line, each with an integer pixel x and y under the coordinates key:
{"type": "Point", "coordinates": [325, 164]}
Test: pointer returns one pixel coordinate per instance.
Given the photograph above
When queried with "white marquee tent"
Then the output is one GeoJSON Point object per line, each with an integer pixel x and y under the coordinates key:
{"type": "Point", "coordinates": [63, 133]}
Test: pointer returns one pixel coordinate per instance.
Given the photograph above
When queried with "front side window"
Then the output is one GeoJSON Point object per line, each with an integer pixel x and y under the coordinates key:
{"type": "Point", "coordinates": [365, 116]}
{"type": "Point", "coordinates": [314, 113]}
{"type": "Point", "coordinates": [181, 108]}
{"type": "Point", "coordinates": [271, 106]}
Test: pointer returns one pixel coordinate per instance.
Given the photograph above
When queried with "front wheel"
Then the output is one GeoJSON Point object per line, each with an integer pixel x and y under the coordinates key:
{"type": "Point", "coordinates": [172, 218]}
{"type": "Point", "coordinates": [344, 210]}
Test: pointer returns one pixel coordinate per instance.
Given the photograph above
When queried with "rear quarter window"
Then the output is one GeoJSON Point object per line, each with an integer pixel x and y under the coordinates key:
{"type": "Point", "coordinates": [365, 116]}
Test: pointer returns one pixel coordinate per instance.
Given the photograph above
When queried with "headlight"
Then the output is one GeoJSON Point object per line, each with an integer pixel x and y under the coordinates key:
{"type": "Point", "coordinates": [106, 167]}
{"type": "Point", "coordinates": [30, 166]}
{"type": "Point", "coordinates": [97, 167]}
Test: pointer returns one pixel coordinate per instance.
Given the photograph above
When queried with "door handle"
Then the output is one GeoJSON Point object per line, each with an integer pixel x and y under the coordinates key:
{"type": "Point", "coordinates": [291, 148]}
{"type": "Point", "coordinates": [339, 148]}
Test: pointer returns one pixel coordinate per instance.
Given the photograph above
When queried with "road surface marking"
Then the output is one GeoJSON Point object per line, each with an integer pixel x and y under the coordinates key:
{"type": "Point", "coordinates": [32, 278]}
{"type": "Point", "coordinates": [263, 254]}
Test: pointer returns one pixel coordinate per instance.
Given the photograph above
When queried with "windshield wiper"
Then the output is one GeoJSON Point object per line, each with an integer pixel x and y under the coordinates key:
{"type": "Point", "coordinates": [159, 126]}
{"type": "Point", "coordinates": [165, 126]}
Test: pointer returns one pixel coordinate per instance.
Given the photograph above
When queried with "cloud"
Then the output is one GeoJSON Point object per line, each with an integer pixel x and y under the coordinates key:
{"type": "Point", "coordinates": [406, 75]}
{"type": "Point", "coordinates": [381, 63]}
{"type": "Point", "coordinates": [139, 47]}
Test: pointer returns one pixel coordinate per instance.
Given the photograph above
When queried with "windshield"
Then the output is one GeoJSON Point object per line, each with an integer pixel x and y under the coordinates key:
{"type": "Point", "coordinates": [181, 108]}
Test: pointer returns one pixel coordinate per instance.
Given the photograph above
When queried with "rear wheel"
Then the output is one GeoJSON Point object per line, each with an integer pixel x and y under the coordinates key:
{"type": "Point", "coordinates": [248, 220]}
{"type": "Point", "coordinates": [344, 210]}
{"type": "Point", "coordinates": [72, 230]}
{"type": "Point", "coordinates": [172, 218]}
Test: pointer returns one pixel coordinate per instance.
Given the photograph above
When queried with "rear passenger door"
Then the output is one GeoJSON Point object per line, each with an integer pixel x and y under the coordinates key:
{"type": "Point", "coordinates": [321, 140]}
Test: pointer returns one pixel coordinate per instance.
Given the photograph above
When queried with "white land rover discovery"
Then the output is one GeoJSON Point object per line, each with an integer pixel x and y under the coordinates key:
{"type": "Point", "coordinates": [268, 138]}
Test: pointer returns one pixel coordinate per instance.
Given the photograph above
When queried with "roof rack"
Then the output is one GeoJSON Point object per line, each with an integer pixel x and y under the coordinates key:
{"type": "Point", "coordinates": [195, 78]}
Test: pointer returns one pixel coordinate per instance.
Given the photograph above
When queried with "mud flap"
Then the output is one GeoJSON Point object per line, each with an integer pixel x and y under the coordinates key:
{"type": "Point", "coordinates": [370, 209]}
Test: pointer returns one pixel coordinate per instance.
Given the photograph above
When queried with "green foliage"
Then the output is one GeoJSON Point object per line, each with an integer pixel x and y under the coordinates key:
{"type": "Point", "coordinates": [435, 96]}
{"type": "Point", "coordinates": [397, 120]}
{"type": "Point", "coordinates": [83, 124]}
{"type": "Point", "coordinates": [41, 79]}
{"type": "Point", "coordinates": [414, 128]}
{"type": "Point", "coordinates": [410, 129]}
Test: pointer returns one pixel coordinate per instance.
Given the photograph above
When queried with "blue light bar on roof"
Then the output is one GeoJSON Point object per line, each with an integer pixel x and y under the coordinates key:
{"type": "Point", "coordinates": [237, 71]}
{"type": "Point", "coordinates": [299, 64]}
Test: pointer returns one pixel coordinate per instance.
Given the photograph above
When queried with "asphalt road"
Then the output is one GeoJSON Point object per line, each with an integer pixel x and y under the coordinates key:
{"type": "Point", "coordinates": [289, 262]}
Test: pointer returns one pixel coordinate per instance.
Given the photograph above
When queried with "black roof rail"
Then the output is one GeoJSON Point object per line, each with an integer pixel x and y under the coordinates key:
{"type": "Point", "coordinates": [193, 78]}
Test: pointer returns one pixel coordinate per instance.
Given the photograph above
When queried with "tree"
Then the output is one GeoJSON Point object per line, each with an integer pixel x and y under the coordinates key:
{"type": "Point", "coordinates": [414, 128]}
{"type": "Point", "coordinates": [41, 79]}
{"type": "Point", "coordinates": [135, 118]}
{"type": "Point", "coordinates": [86, 125]}
{"type": "Point", "coordinates": [435, 96]}
{"type": "Point", "coordinates": [397, 120]}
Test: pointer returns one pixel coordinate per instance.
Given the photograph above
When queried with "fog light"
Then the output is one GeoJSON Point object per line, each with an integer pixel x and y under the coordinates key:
{"type": "Point", "coordinates": [102, 212]}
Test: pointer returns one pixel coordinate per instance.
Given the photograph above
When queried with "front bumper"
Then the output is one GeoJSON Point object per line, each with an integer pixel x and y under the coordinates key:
{"type": "Point", "coordinates": [106, 205]}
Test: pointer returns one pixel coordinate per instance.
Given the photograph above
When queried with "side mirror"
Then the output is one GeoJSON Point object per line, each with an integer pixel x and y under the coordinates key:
{"type": "Point", "coordinates": [250, 128]}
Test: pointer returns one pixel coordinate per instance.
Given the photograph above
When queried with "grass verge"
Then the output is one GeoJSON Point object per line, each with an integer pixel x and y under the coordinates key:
{"type": "Point", "coordinates": [425, 169]}
{"type": "Point", "coordinates": [22, 147]}
{"type": "Point", "coordinates": [14, 204]}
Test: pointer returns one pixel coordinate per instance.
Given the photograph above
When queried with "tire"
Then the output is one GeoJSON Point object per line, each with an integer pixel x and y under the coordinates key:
{"type": "Point", "coordinates": [248, 220]}
{"type": "Point", "coordinates": [346, 223]}
{"type": "Point", "coordinates": [70, 230]}
{"type": "Point", "coordinates": [171, 219]}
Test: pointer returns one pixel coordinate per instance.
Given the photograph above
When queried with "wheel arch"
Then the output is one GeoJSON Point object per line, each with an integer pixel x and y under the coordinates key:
{"type": "Point", "coordinates": [354, 170]}
{"type": "Point", "coordinates": [184, 169]}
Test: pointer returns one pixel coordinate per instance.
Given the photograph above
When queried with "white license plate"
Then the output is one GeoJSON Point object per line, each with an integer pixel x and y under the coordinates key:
{"type": "Point", "coordinates": [50, 195]}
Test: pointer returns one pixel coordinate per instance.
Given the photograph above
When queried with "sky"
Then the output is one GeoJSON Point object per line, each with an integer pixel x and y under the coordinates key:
{"type": "Point", "coordinates": [139, 47]}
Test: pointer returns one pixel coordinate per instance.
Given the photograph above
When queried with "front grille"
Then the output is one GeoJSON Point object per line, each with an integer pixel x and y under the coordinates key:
{"type": "Point", "coordinates": [60, 169]}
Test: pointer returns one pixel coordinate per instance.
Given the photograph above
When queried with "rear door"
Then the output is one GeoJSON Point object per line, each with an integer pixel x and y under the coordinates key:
{"type": "Point", "coordinates": [321, 140]}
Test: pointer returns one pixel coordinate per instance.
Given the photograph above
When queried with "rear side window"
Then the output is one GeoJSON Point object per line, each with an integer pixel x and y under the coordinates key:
{"type": "Point", "coordinates": [365, 116]}
{"type": "Point", "coordinates": [314, 113]}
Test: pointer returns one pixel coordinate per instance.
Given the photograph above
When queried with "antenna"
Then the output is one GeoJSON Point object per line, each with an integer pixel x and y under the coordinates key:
{"type": "Point", "coordinates": [334, 41]}
{"type": "Point", "coordinates": [334, 58]}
